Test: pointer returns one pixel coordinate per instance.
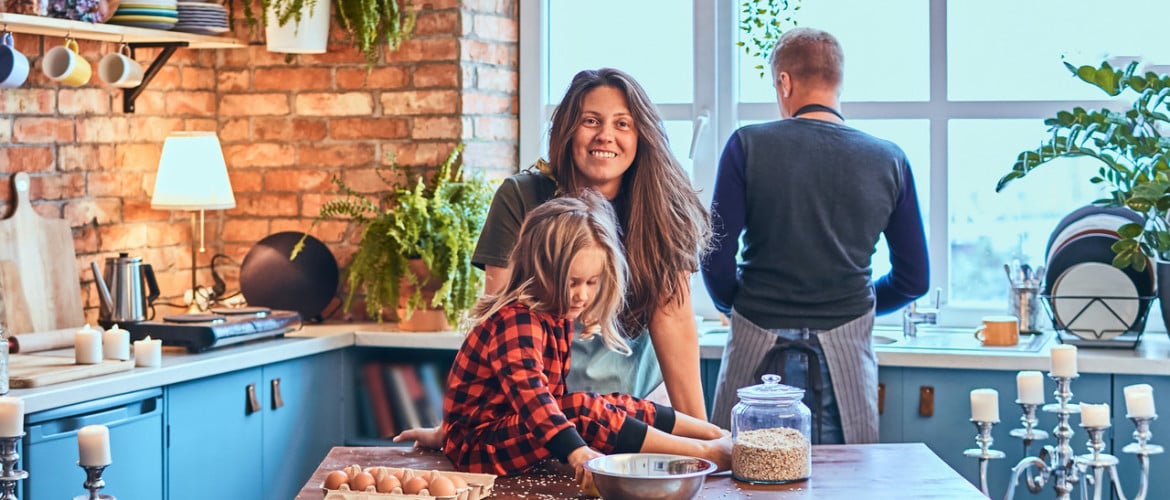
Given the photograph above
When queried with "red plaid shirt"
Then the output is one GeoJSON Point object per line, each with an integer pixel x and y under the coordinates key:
{"type": "Point", "coordinates": [501, 404]}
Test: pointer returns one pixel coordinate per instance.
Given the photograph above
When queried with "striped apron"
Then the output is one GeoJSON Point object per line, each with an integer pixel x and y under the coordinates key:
{"type": "Point", "coordinates": [851, 369]}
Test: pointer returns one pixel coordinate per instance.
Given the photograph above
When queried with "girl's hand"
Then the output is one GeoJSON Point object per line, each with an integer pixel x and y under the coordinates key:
{"type": "Point", "coordinates": [583, 477]}
{"type": "Point", "coordinates": [425, 437]}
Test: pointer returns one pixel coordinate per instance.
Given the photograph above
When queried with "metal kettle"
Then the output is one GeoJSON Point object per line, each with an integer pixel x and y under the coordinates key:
{"type": "Point", "coordinates": [123, 297]}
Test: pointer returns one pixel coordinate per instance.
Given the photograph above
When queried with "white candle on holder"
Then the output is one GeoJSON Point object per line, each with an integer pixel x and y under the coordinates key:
{"type": "Point", "coordinates": [116, 343]}
{"type": "Point", "coordinates": [1095, 415]}
{"type": "Point", "coordinates": [93, 445]}
{"type": "Point", "coordinates": [148, 353]}
{"type": "Point", "coordinates": [1139, 401]}
{"type": "Point", "coordinates": [11, 416]}
{"type": "Point", "coordinates": [1030, 387]}
{"type": "Point", "coordinates": [1064, 360]}
{"type": "Point", "coordinates": [985, 405]}
{"type": "Point", "coordinates": [87, 346]}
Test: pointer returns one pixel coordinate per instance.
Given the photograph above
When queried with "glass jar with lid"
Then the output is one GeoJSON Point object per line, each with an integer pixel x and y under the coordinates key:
{"type": "Point", "coordinates": [772, 433]}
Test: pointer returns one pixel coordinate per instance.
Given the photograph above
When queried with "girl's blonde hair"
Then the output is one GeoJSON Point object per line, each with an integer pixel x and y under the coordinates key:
{"type": "Point", "coordinates": [553, 234]}
{"type": "Point", "coordinates": [667, 229]}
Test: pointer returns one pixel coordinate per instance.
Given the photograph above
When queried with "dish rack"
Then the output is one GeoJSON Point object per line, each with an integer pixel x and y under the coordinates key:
{"type": "Point", "coordinates": [1125, 338]}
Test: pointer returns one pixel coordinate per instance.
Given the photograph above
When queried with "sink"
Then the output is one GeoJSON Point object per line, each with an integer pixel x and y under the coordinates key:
{"type": "Point", "coordinates": [953, 339]}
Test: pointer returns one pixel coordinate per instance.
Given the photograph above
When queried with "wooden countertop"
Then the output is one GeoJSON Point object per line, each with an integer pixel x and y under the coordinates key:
{"type": "Point", "coordinates": [874, 471]}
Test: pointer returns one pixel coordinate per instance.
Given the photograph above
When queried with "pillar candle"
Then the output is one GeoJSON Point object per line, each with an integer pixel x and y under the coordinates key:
{"type": "Point", "coordinates": [11, 416]}
{"type": "Point", "coordinates": [148, 353]}
{"type": "Point", "coordinates": [1095, 415]}
{"type": "Point", "coordinates": [985, 405]}
{"type": "Point", "coordinates": [93, 445]}
{"type": "Point", "coordinates": [87, 346]}
{"type": "Point", "coordinates": [116, 343]}
{"type": "Point", "coordinates": [1030, 387]}
{"type": "Point", "coordinates": [1139, 401]}
{"type": "Point", "coordinates": [1064, 360]}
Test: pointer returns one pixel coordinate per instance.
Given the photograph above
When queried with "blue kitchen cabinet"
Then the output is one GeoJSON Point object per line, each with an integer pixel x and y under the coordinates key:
{"type": "Point", "coordinates": [709, 377]}
{"type": "Point", "coordinates": [891, 411]}
{"type": "Point", "coordinates": [215, 429]}
{"type": "Point", "coordinates": [135, 421]}
{"type": "Point", "coordinates": [1129, 472]}
{"type": "Point", "coordinates": [946, 428]}
{"type": "Point", "coordinates": [303, 401]}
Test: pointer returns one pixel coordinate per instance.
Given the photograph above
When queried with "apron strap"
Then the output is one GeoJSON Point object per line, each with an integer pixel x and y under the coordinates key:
{"type": "Point", "coordinates": [774, 362]}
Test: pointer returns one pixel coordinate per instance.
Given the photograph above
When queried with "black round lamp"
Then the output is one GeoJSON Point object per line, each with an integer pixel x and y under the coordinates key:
{"type": "Point", "coordinates": [305, 284]}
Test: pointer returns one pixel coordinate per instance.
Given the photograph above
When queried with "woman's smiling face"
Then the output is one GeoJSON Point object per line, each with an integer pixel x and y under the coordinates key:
{"type": "Point", "coordinates": [605, 140]}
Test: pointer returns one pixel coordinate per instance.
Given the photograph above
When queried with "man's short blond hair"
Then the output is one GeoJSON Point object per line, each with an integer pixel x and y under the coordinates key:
{"type": "Point", "coordinates": [808, 54]}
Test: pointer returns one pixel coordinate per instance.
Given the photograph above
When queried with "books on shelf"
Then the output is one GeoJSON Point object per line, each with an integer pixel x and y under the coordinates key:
{"type": "Point", "coordinates": [401, 396]}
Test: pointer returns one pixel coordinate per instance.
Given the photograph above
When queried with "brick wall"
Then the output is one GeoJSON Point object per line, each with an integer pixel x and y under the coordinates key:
{"type": "Point", "coordinates": [286, 129]}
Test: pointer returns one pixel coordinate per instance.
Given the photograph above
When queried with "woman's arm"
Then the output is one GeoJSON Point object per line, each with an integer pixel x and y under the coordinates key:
{"type": "Point", "coordinates": [494, 279]}
{"type": "Point", "coordinates": [676, 343]}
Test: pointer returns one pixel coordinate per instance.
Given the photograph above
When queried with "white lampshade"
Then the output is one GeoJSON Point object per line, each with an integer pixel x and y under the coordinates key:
{"type": "Point", "coordinates": [192, 174]}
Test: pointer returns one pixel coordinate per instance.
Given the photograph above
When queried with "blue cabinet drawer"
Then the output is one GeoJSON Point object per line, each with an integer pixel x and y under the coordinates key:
{"type": "Point", "coordinates": [135, 421]}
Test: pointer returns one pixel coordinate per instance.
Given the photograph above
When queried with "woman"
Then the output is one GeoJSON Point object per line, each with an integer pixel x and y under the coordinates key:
{"type": "Point", "coordinates": [606, 135]}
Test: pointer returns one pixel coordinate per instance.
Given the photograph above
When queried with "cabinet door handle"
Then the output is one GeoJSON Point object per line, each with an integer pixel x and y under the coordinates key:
{"type": "Point", "coordinates": [881, 398]}
{"type": "Point", "coordinates": [253, 403]}
{"type": "Point", "coordinates": [926, 401]}
{"type": "Point", "coordinates": [277, 400]}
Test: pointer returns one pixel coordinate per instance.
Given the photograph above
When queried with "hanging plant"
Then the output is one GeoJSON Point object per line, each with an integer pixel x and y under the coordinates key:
{"type": "Point", "coordinates": [374, 26]}
{"type": "Point", "coordinates": [762, 22]}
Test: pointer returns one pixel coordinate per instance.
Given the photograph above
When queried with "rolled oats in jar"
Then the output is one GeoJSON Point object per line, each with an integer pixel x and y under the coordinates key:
{"type": "Point", "coordinates": [771, 429]}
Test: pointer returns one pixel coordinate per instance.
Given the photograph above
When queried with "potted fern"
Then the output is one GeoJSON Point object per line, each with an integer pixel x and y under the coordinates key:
{"type": "Point", "coordinates": [302, 26]}
{"type": "Point", "coordinates": [415, 250]}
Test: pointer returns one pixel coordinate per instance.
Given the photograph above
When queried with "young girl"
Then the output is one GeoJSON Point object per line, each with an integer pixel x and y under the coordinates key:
{"type": "Point", "coordinates": [506, 406]}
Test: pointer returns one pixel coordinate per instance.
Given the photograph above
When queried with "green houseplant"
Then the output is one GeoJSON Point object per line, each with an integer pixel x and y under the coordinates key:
{"type": "Point", "coordinates": [373, 25]}
{"type": "Point", "coordinates": [433, 222]}
{"type": "Point", "coordinates": [761, 23]}
{"type": "Point", "coordinates": [1132, 149]}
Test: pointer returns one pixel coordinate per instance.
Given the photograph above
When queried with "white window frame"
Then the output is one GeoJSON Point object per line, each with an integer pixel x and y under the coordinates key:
{"type": "Point", "coordinates": [715, 84]}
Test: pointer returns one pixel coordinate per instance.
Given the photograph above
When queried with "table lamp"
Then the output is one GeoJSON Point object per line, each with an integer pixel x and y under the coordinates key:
{"type": "Point", "coordinates": [192, 175]}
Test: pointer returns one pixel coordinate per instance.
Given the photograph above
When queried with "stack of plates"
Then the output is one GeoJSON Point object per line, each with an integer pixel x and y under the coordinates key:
{"type": "Point", "coordinates": [154, 14]}
{"type": "Point", "coordinates": [202, 18]}
{"type": "Point", "coordinates": [1090, 298]}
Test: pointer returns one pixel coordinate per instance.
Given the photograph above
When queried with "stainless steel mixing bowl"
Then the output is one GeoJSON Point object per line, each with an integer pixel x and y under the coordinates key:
{"type": "Point", "coordinates": [649, 476]}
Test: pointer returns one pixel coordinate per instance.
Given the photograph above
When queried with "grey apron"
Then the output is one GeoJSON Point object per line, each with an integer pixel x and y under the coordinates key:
{"type": "Point", "coordinates": [850, 361]}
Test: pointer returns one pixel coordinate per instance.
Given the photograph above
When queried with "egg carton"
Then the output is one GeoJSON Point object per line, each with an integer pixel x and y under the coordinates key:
{"type": "Point", "coordinates": [478, 486]}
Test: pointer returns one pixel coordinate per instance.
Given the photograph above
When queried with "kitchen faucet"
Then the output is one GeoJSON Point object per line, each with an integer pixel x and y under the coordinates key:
{"type": "Point", "coordinates": [912, 316]}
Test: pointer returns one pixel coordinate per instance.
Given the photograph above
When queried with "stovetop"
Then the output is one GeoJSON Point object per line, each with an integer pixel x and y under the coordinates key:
{"type": "Point", "coordinates": [215, 328]}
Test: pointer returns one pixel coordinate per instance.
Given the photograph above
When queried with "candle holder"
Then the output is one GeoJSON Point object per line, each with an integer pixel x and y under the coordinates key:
{"type": "Point", "coordinates": [1058, 465]}
{"type": "Point", "coordinates": [1028, 432]}
{"type": "Point", "coordinates": [94, 483]}
{"type": "Point", "coordinates": [9, 474]}
{"type": "Point", "coordinates": [984, 451]}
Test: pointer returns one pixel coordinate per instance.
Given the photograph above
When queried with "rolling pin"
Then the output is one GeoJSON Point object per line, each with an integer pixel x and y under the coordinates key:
{"type": "Point", "coordinates": [41, 341]}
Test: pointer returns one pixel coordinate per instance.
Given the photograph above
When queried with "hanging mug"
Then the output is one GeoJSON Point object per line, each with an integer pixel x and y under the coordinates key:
{"type": "Point", "coordinates": [120, 70]}
{"type": "Point", "coordinates": [13, 64]}
{"type": "Point", "coordinates": [64, 64]}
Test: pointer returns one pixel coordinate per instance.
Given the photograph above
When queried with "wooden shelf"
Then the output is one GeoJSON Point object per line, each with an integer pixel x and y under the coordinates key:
{"type": "Point", "coordinates": [48, 26]}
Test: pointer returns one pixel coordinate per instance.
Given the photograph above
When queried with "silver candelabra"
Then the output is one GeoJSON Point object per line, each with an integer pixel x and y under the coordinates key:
{"type": "Point", "coordinates": [9, 474]}
{"type": "Point", "coordinates": [1058, 464]}
{"type": "Point", "coordinates": [94, 483]}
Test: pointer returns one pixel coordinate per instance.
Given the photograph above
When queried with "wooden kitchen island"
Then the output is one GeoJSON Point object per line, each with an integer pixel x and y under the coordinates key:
{"type": "Point", "coordinates": [874, 471]}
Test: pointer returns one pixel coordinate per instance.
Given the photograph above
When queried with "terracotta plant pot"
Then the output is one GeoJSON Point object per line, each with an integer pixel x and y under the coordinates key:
{"type": "Point", "coordinates": [426, 319]}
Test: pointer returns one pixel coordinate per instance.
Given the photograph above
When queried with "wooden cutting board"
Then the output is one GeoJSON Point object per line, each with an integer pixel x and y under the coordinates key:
{"type": "Point", "coordinates": [41, 252]}
{"type": "Point", "coordinates": [26, 371]}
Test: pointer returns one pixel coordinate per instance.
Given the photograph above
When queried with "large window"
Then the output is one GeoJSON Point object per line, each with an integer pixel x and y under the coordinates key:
{"type": "Point", "coordinates": [962, 86]}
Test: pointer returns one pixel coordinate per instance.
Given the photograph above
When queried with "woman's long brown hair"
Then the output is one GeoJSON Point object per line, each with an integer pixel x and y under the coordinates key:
{"type": "Point", "coordinates": [667, 230]}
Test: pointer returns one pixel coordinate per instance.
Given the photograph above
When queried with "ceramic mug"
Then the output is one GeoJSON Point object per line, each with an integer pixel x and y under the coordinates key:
{"type": "Point", "coordinates": [120, 70]}
{"type": "Point", "coordinates": [999, 331]}
{"type": "Point", "coordinates": [13, 64]}
{"type": "Point", "coordinates": [64, 64]}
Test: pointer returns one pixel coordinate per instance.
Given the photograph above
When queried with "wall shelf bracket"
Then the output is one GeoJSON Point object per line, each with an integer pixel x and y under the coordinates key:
{"type": "Point", "coordinates": [168, 49]}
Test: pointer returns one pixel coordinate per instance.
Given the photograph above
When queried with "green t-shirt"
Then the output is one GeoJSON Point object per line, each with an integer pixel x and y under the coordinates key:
{"type": "Point", "coordinates": [594, 367]}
